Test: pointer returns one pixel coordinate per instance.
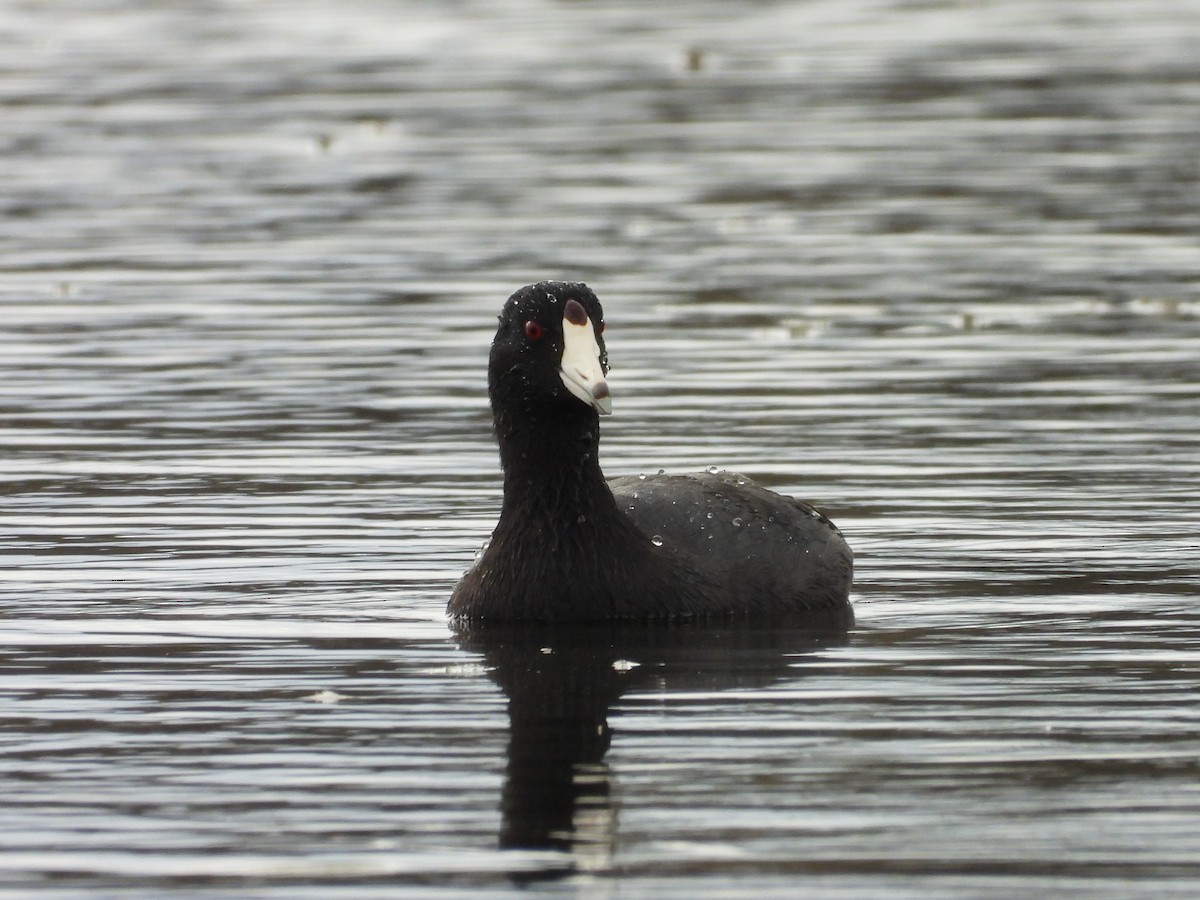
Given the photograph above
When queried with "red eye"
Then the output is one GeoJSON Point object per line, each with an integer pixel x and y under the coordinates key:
{"type": "Point", "coordinates": [534, 330]}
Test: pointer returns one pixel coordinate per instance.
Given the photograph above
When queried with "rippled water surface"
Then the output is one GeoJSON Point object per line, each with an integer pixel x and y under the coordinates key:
{"type": "Point", "coordinates": [931, 266]}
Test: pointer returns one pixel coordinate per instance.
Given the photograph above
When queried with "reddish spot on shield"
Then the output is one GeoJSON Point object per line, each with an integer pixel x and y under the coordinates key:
{"type": "Point", "coordinates": [574, 312]}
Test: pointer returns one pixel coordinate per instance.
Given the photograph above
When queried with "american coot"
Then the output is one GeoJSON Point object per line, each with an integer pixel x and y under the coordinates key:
{"type": "Point", "coordinates": [573, 547]}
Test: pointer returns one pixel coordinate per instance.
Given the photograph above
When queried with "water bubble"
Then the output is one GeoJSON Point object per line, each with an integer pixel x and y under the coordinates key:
{"type": "Point", "coordinates": [641, 478]}
{"type": "Point", "coordinates": [657, 540]}
{"type": "Point", "coordinates": [326, 696]}
{"type": "Point", "coordinates": [713, 470]}
{"type": "Point", "coordinates": [662, 471]}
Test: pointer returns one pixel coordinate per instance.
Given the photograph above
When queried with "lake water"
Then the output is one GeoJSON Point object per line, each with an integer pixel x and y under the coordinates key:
{"type": "Point", "coordinates": [934, 267]}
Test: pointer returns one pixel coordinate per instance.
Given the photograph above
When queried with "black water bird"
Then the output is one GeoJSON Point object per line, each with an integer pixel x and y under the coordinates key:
{"type": "Point", "coordinates": [571, 546]}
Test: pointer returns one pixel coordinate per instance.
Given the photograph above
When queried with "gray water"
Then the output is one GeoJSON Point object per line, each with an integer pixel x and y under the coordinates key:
{"type": "Point", "coordinates": [933, 267]}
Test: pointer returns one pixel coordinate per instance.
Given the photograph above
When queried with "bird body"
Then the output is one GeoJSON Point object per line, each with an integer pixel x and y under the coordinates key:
{"type": "Point", "coordinates": [571, 546]}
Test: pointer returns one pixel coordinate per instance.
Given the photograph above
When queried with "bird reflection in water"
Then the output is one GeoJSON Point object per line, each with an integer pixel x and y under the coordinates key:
{"type": "Point", "coordinates": [562, 681]}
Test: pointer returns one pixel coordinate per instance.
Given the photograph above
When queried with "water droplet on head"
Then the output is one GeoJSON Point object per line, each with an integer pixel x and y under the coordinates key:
{"type": "Point", "coordinates": [641, 478]}
{"type": "Point", "coordinates": [713, 470]}
{"type": "Point", "coordinates": [708, 515]}
{"type": "Point", "coordinates": [737, 521]}
{"type": "Point", "coordinates": [657, 540]}
{"type": "Point", "coordinates": [662, 471]}
{"type": "Point", "coordinates": [635, 495]}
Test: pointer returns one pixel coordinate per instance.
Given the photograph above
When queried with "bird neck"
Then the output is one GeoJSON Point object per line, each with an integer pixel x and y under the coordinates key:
{"type": "Point", "coordinates": [552, 469]}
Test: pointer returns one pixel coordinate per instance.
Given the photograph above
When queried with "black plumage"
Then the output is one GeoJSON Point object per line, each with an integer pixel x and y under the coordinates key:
{"type": "Point", "coordinates": [573, 547]}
